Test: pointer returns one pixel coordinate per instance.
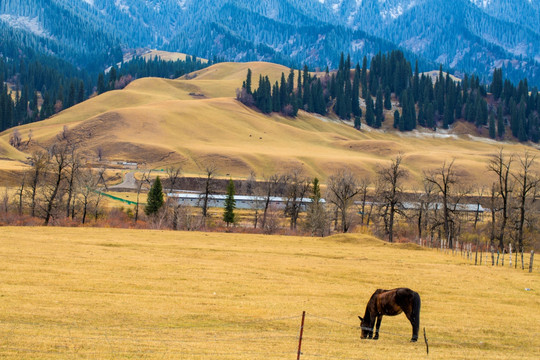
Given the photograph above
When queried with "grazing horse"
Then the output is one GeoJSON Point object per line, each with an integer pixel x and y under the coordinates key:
{"type": "Point", "coordinates": [391, 302]}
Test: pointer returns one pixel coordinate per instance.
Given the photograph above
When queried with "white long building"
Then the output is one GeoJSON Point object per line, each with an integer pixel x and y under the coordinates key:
{"type": "Point", "coordinates": [254, 202]}
{"type": "Point", "coordinates": [242, 201]}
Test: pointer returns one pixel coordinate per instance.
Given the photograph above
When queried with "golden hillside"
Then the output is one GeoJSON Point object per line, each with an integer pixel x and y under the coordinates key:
{"type": "Point", "coordinates": [195, 120]}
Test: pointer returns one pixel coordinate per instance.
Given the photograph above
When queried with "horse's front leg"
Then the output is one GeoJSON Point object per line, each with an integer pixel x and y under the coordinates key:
{"type": "Point", "coordinates": [379, 319]}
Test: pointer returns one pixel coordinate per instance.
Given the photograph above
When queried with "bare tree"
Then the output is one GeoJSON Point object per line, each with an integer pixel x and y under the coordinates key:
{"type": "Point", "coordinates": [72, 171]}
{"type": "Point", "coordinates": [15, 139]}
{"type": "Point", "coordinates": [145, 180]}
{"type": "Point", "coordinates": [342, 189]}
{"type": "Point", "coordinates": [59, 154]}
{"type": "Point", "coordinates": [493, 210]}
{"type": "Point", "coordinates": [87, 183]}
{"type": "Point", "coordinates": [20, 193]}
{"type": "Point", "coordinates": [30, 135]}
{"type": "Point", "coordinates": [5, 202]}
{"type": "Point", "coordinates": [271, 187]}
{"type": "Point", "coordinates": [390, 191]}
{"type": "Point", "coordinates": [272, 220]}
{"type": "Point", "coordinates": [38, 162]}
{"type": "Point", "coordinates": [500, 164]}
{"type": "Point", "coordinates": [444, 179]}
{"type": "Point", "coordinates": [99, 153]}
{"type": "Point", "coordinates": [173, 176]}
{"type": "Point", "coordinates": [425, 205]}
{"type": "Point", "coordinates": [363, 192]}
{"type": "Point", "coordinates": [297, 188]}
{"type": "Point", "coordinates": [527, 183]}
{"type": "Point", "coordinates": [317, 219]}
{"type": "Point", "coordinates": [210, 171]}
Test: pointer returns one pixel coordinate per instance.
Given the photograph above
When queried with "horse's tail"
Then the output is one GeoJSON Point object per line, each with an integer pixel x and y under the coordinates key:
{"type": "Point", "coordinates": [416, 313]}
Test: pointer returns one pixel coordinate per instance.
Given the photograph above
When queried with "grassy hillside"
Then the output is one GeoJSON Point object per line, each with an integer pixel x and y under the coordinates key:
{"type": "Point", "coordinates": [104, 293]}
{"type": "Point", "coordinates": [195, 120]}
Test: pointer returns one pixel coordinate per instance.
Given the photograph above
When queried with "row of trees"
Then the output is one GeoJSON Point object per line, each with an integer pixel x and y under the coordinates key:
{"type": "Point", "coordinates": [424, 102]}
{"type": "Point", "coordinates": [441, 208]}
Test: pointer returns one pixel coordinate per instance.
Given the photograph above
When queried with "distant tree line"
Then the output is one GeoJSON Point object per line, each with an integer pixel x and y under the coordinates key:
{"type": "Point", "coordinates": [47, 85]}
{"type": "Point", "coordinates": [424, 102]}
{"type": "Point", "coordinates": [60, 188]}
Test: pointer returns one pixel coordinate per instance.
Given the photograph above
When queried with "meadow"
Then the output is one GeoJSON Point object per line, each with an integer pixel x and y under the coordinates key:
{"type": "Point", "coordinates": [82, 293]}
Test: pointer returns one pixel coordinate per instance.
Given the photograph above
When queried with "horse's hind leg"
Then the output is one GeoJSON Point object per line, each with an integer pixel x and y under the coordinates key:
{"type": "Point", "coordinates": [415, 325]}
{"type": "Point", "coordinates": [379, 319]}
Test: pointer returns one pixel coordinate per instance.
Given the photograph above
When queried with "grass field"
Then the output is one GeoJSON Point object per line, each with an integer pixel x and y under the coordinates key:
{"type": "Point", "coordinates": [70, 293]}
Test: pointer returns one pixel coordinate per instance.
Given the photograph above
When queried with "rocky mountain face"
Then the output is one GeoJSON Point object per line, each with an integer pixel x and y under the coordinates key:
{"type": "Point", "coordinates": [464, 35]}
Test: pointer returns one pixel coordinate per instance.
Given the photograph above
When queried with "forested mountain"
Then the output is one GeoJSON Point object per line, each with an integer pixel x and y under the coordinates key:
{"type": "Point", "coordinates": [473, 36]}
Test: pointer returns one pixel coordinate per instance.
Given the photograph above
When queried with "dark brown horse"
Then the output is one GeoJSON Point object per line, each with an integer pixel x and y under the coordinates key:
{"type": "Point", "coordinates": [391, 302]}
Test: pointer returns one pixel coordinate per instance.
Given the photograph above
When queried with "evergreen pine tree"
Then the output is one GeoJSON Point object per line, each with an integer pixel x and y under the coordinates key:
{"type": "Point", "coordinates": [430, 116]}
{"type": "Point", "coordinates": [500, 122]}
{"type": "Point", "coordinates": [492, 130]}
{"type": "Point", "coordinates": [416, 83]}
{"type": "Point", "coordinates": [71, 95]}
{"type": "Point", "coordinates": [112, 78]}
{"type": "Point", "coordinates": [283, 94]}
{"type": "Point", "coordinates": [155, 198]}
{"type": "Point", "coordinates": [357, 122]}
{"type": "Point", "coordinates": [411, 124]}
{"type": "Point", "coordinates": [230, 204]}
{"type": "Point", "coordinates": [396, 119]}
{"type": "Point", "coordinates": [370, 113]}
{"type": "Point", "coordinates": [364, 79]}
{"type": "Point", "coordinates": [404, 120]}
{"type": "Point", "coordinates": [101, 88]}
{"type": "Point", "coordinates": [355, 101]}
{"type": "Point", "coordinates": [387, 99]}
{"type": "Point", "coordinates": [379, 115]}
{"type": "Point", "coordinates": [248, 82]}
{"type": "Point", "coordinates": [80, 95]}
{"type": "Point", "coordinates": [448, 116]}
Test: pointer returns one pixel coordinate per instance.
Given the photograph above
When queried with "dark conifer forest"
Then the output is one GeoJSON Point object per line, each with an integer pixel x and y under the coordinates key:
{"type": "Point", "coordinates": [500, 106]}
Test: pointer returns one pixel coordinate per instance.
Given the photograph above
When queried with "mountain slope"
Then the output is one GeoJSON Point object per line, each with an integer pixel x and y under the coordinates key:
{"type": "Point", "coordinates": [464, 35]}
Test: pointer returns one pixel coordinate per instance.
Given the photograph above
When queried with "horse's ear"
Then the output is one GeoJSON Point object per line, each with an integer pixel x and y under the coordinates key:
{"type": "Point", "coordinates": [360, 318]}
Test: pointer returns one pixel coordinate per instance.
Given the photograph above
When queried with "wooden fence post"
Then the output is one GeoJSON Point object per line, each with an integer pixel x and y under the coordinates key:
{"type": "Point", "coordinates": [531, 262]}
{"type": "Point", "coordinates": [481, 255]}
{"type": "Point", "coordinates": [492, 256]}
{"type": "Point", "coordinates": [301, 334]}
{"type": "Point", "coordinates": [510, 257]}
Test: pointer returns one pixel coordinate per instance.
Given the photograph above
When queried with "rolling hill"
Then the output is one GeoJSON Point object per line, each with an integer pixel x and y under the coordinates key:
{"type": "Point", "coordinates": [195, 120]}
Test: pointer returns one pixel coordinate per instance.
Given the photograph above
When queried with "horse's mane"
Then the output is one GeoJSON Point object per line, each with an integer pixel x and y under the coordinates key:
{"type": "Point", "coordinates": [372, 304]}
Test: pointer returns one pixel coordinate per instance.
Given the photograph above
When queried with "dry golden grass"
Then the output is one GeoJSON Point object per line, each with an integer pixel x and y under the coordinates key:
{"type": "Point", "coordinates": [118, 294]}
{"type": "Point", "coordinates": [160, 122]}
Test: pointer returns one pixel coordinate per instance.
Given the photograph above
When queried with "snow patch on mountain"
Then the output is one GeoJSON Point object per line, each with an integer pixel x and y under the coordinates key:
{"type": "Point", "coordinates": [25, 23]}
{"type": "Point", "coordinates": [121, 5]}
{"type": "Point", "coordinates": [483, 3]}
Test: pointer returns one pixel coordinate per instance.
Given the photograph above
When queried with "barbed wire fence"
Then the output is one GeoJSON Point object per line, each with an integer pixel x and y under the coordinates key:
{"type": "Point", "coordinates": [272, 338]}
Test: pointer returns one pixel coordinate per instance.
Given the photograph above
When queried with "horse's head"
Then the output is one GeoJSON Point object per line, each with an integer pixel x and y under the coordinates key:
{"type": "Point", "coordinates": [365, 326]}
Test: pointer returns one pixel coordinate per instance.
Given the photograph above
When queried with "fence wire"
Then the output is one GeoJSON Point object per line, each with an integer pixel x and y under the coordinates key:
{"type": "Point", "coordinates": [279, 339]}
